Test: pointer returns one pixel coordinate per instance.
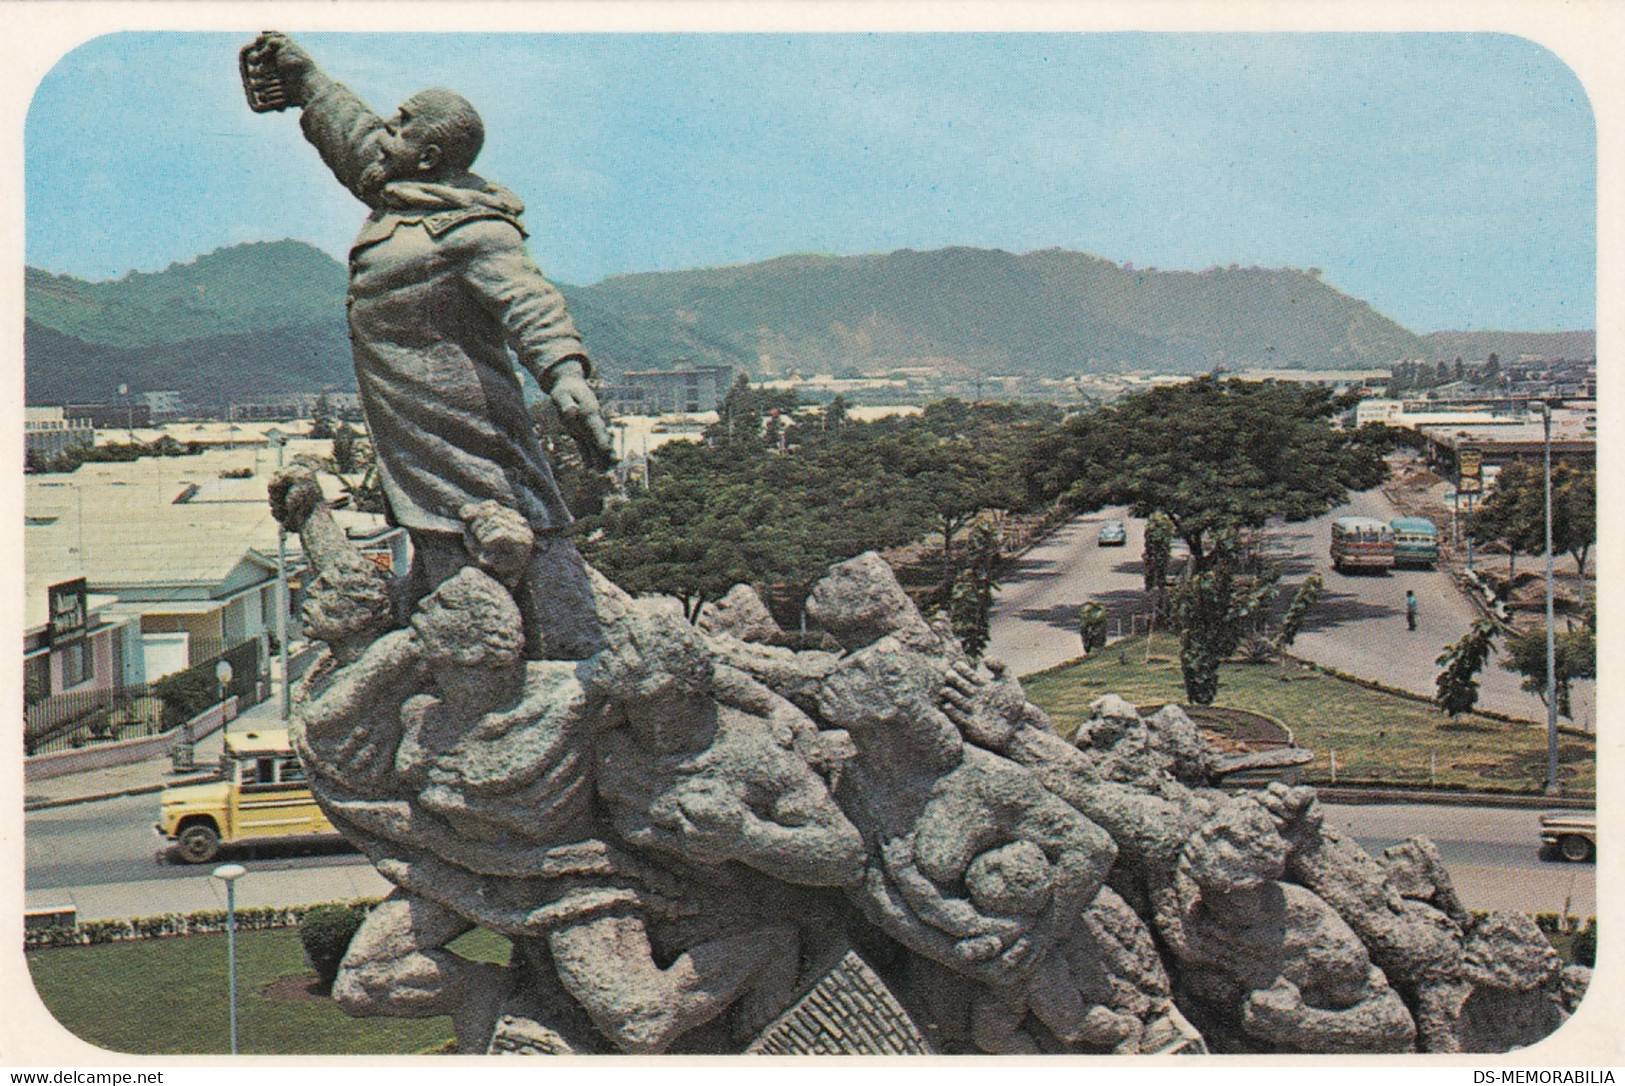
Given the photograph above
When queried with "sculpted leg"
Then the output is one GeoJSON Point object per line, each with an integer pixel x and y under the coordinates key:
{"type": "Point", "coordinates": [396, 967]}
{"type": "Point", "coordinates": [608, 965]}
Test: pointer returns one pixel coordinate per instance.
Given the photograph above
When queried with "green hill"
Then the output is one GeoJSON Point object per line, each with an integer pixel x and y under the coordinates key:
{"type": "Point", "coordinates": [268, 317]}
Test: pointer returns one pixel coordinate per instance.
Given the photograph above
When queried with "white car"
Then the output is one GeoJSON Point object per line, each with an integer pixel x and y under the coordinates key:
{"type": "Point", "coordinates": [1569, 834]}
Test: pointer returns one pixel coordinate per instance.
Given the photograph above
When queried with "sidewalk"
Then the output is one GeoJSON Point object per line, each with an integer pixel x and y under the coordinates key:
{"type": "Point", "coordinates": [128, 900]}
{"type": "Point", "coordinates": [148, 776]}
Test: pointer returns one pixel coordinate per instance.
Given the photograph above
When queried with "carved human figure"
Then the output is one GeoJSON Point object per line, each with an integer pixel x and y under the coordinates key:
{"type": "Point", "coordinates": [1269, 955]}
{"type": "Point", "coordinates": [694, 771]}
{"type": "Point", "coordinates": [440, 288]}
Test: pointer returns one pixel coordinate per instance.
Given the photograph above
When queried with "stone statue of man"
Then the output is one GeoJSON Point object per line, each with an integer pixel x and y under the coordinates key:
{"type": "Point", "coordinates": [441, 288]}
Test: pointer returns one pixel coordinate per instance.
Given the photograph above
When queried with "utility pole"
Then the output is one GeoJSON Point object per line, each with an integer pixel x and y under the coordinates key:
{"type": "Point", "coordinates": [1553, 785]}
{"type": "Point", "coordinates": [282, 600]}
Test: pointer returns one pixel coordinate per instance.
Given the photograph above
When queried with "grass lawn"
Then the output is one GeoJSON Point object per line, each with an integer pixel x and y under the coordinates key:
{"type": "Point", "coordinates": [1379, 738]}
{"type": "Point", "coordinates": [169, 996]}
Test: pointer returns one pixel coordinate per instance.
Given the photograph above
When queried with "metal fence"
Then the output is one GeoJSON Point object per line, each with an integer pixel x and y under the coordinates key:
{"type": "Point", "coordinates": [73, 720]}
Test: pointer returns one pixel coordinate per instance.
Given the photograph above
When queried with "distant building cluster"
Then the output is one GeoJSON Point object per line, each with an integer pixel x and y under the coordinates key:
{"type": "Point", "coordinates": [680, 389]}
{"type": "Point", "coordinates": [134, 570]}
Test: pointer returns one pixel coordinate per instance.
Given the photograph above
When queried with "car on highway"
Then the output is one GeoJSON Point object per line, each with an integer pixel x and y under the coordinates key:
{"type": "Point", "coordinates": [260, 795]}
{"type": "Point", "coordinates": [1569, 834]}
{"type": "Point", "coordinates": [1114, 533]}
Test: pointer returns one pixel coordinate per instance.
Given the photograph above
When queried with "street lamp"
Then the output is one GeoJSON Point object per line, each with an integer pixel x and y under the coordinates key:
{"type": "Point", "coordinates": [281, 441]}
{"type": "Point", "coordinates": [229, 874]}
{"type": "Point", "coordinates": [1553, 785]}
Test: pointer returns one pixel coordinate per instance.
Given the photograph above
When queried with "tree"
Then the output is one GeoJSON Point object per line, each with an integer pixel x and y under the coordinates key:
{"type": "Point", "coordinates": [971, 601]}
{"type": "Point", "coordinates": [344, 448]}
{"type": "Point", "coordinates": [1303, 601]}
{"type": "Point", "coordinates": [1092, 626]}
{"type": "Point", "coordinates": [835, 412]}
{"type": "Point", "coordinates": [1574, 513]}
{"type": "Point", "coordinates": [1157, 555]}
{"type": "Point", "coordinates": [1214, 456]}
{"type": "Point", "coordinates": [321, 417]}
{"type": "Point", "coordinates": [1514, 513]}
{"type": "Point", "coordinates": [1215, 609]}
{"type": "Point", "coordinates": [1457, 684]}
{"type": "Point", "coordinates": [1575, 657]}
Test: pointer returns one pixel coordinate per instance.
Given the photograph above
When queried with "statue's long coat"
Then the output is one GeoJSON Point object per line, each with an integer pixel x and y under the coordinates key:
{"type": "Point", "coordinates": [440, 289]}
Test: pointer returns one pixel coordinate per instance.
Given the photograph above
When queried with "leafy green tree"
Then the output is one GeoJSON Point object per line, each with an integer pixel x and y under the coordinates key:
{"type": "Point", "coordinates": [835, 412]}
{"type": "Point", "coordinates": [1575, 657]}
{"type": "Point", "coordinates": [1215, 456]}
{"type": "Point", "coordinates": [1303, 601]}
{"type": "Point", "coordinates": [1215, 609]}
{"type": "Point", "coordinates": [1574, 513]}
{"type": "Point", "coordinates": [344, 448]}
{"type": "Point", "coordinates": [1157, 554]}
{"type": "Point", "coordinates": [1513, 514]}
{"type": "Point", "coordinates": [321, 417]}
{"type": "Point", "coordinates": [1092, 626]}
{"type": "Point", "coordinates": [1457, 684]}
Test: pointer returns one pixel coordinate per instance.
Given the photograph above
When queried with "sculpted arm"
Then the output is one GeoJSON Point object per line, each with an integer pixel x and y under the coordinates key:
{"type": "Point", "coordinates": [512, 288]}
{"type": "Point", "coordinates": [387, 673]}
{"type": "Point", "coordinates": [339, 124]}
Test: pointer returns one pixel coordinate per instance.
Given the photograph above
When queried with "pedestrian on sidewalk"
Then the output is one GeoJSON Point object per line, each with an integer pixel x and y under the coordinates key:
{"type": "Point", "coordinates": [1410, 609]}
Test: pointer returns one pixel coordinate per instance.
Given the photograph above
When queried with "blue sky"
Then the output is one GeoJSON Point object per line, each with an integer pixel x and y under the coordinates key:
{"type": "Point", "coordinates": [1448, 179]}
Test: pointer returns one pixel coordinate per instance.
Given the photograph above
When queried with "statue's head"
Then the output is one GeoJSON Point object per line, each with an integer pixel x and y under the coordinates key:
{"type": "Point", "coordinates": [470, 621]}
{"type": "Point", "coordinates": [434, 135]}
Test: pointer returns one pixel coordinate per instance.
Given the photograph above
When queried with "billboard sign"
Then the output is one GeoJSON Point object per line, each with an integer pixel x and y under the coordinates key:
{"type": "Point", "coordinates": [69, 609]}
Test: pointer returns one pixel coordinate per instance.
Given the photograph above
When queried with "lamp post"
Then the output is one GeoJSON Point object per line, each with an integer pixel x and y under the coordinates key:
{"type": "Point", "coordinates": [229, 874]}
{"type": "Point", "coordinates": [1553, 785]}
{"type": "Point", "coordinates": [281, 442]}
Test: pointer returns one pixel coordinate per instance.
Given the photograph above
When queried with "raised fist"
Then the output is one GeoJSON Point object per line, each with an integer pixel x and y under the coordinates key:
{"type": "Point", "coordinates": [295, 495]}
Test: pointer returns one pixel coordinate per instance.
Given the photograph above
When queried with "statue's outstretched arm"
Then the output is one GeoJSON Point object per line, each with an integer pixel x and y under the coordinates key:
{"type": "Point", "coordinates": [339, 124]}
{"type": "Point", "coordinates": [297, 504]}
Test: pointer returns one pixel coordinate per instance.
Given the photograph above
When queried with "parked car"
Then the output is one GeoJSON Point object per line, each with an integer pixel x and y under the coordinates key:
{"type": "Point", "coordinates": [1114, 533]}
{"type": "Point", "coordinates": [261, 795]}
{"type": "Point", "coordinates": [1569, 834]}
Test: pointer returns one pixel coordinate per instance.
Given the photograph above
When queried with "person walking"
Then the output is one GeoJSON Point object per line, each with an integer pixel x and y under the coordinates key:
{"type": "Point", "coordinates": [1410, 609]}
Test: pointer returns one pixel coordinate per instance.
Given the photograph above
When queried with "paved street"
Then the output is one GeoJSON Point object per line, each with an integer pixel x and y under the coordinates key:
{"type": "Point", "coordinates": [98, 857]}
{"type": "Point", "coordinates": [1035, 614]}
{"type": "Point", "coordinates": [1492, 853]}
{"type": "Point", "coordinates": [113, 841]}
{"type": "Point", "coordinates": [1359, 626]}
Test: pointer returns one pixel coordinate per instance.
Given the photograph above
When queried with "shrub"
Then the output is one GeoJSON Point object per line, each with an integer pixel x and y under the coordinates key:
{"type": "Point", "coordinates": [1583, 948]}
{"type": "Point", "coordinates": [325, 933]}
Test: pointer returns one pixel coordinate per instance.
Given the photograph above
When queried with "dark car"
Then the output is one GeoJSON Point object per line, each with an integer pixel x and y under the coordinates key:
{"type": "Point", "coordinates": [1113, 534]}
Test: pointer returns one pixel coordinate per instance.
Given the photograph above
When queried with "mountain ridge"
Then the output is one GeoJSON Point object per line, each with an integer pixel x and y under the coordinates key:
{"type": "Point", "coordinates": [268, 317]}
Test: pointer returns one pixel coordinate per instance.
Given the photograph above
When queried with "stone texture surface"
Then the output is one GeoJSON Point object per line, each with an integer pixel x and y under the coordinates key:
{"type": "Point", "coordinates": [702, 841]}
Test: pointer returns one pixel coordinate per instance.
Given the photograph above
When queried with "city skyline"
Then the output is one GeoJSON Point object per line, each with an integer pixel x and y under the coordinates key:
{"type": "Point", "coordinates": [1447, 179]}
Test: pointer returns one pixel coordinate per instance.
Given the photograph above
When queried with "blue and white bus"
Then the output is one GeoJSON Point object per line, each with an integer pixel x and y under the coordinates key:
{"type": "Point", "coordinates": [1416, 542]}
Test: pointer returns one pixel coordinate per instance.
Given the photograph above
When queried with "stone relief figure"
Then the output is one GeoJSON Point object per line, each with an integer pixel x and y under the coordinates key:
{"type": "Point", "coordinates": [702, 839]}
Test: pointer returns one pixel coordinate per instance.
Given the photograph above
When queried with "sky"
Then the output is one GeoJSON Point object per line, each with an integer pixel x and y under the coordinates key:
{"type": "Point", "coordinates": [1448, 179]}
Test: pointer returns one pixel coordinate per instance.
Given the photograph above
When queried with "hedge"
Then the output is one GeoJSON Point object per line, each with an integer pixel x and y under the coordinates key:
{"type": "Point", "coordinates": [202, 922]}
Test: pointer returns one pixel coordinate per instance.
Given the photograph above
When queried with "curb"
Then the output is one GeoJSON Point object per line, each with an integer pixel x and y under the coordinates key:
{"type": "Point", "coordinates": [96, 797]}
{"type": "Point", "coordinates": [1332, 794]}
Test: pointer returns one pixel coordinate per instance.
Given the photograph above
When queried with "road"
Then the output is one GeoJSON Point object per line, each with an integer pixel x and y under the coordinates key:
{"type": "Point", "coordinates": [1035, 613]}
{"type": "Point", "coordinates": [1492, 852]}
{"type": "Point", "coordinates": [112, 840]}
{"type": "Point", "coordinates": [1358, 627]}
